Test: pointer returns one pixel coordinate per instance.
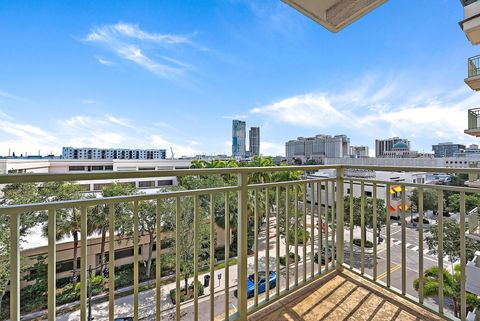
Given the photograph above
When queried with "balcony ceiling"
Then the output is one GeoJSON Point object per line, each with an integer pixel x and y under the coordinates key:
{"type": "Point", "coordinates": [334, 14]}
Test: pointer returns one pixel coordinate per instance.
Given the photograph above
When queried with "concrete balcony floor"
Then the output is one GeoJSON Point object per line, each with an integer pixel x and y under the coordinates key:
{"type": "Point", "coordinates": [343, 296]}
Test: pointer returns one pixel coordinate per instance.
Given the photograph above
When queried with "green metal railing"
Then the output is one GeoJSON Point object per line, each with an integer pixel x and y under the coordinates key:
{"type": "Point", "coordinates": [473, 118]}
{"type": "Point", "coordinates": [325, 215]}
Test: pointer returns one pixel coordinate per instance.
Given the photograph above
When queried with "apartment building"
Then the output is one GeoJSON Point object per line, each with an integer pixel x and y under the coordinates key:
{"type": "Point", "coordinates": [238, 138]}
{"type": "Point", "coordinates": [254, 139]}
{"type": "Point", "coordinates": [359, 151]}
{"type": "Point", "coordinates": [383, 146]}
{"type": "Point", "coordinates": [112, 153]}
{"type": "Point", "coordinates": [317, 148]}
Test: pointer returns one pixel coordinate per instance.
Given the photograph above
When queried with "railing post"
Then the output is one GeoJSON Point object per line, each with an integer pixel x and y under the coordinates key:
{"type": "Point", "coordinates": [15, 267]}
{"type": "Point", "coordinates": [242, 245]}
{"type": "Point", "coordinates": [340, 218]}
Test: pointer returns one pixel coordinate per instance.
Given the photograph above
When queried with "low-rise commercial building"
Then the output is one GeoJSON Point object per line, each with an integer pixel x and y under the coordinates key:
{"type": "Point", "coordinates": [448, 149]}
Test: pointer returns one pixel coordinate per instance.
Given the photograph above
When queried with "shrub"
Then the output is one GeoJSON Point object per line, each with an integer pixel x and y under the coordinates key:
{"type": "Point", "coordinates": [368, 244]}
{"type": "Point", "coordinates": [291, 236]}
{"type": "Point", "coordinates": [425, 221]}
{"type": "Point", "coordinates": [190, 295]}
{"type": "Point", "coordinates": [283, 260]}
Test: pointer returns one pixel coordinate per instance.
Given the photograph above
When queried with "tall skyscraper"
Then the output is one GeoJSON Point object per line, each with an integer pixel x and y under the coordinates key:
{"type": "Point", "coordinates": [254, 137]}
{"type": "Point", "coordinates": [238, 138]}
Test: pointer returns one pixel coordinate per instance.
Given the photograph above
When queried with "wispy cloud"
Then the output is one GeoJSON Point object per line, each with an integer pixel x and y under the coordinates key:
{"type": "Point", "coordinates": [129, 42]}
{"type": "Point", "coordinates": [21, 137]}
{"type": "Point", "coordinates": [377, 109]}
{"type": "Point", "coordinates": [109, 131]}
{"type": "Point", "coordinates": [105, 62]}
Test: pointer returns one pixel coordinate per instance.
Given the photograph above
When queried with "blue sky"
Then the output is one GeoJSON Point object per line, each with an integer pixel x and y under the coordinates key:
{"type": "Point", "coordinates": [161, 74]}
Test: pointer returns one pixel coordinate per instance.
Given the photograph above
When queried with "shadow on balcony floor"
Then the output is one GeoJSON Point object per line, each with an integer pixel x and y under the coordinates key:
{"type": "Point", "coordinates": [344, 296]}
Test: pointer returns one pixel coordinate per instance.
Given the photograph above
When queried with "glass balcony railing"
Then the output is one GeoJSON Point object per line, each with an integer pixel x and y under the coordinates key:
{"type": "Point", "coordinates": [467, 2]}
{"type": "Point", "coordinates": [474, 66]}
{"type": "Point", "coordinates": [271, 221]}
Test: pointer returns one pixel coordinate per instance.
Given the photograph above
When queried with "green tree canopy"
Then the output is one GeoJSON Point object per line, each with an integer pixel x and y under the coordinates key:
{"type": "Point", "coordinates": [451, 287]}
{"type": "Point", "coordinates": [451, 240]}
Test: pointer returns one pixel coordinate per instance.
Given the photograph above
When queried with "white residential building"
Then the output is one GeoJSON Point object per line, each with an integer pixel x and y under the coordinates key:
{"type": "Point", "coordinates": [317, 148]}
{"type": "Point", "coordinates": [112, 153]}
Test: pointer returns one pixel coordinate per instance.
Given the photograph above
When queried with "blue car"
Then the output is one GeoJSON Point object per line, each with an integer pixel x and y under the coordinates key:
{"type": "Point", "coordinates": [262, 284]}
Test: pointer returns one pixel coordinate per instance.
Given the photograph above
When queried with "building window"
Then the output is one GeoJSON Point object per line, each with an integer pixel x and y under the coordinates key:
{"type": "Point", "coordinates": [109, 168]}
{"type": "Point", "coordinates": [99, 187]}
{"type": "Point", "coordinates": [146, 184]}
{"type": "Point", "coordinates": [97, 168]}
{"type": "Point", "coordinates": [120, 254]}
{"type": "Point", "coordinates": [66, 266]}
{"type": "Point", "coordinates": [165, 182]}
{"type": "Point", "coordinates": [76, 168]}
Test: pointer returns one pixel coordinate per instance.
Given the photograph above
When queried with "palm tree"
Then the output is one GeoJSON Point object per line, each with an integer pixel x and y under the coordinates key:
{"type": "Point", "coordinates": [68, 219]}
{"type": "Point", "coordinates": [99, 214]}
{"type": "Point", "coordinates": [451, 287]}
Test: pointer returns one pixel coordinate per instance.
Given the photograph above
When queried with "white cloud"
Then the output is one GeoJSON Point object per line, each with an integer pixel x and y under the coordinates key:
{"type": "Point", "coordinates": [105, 62]}
{"type": "Point", "coordinates": [20, 137]}
{"type": "Point", "coordinates": [272, 149]}
{"type": "Point", "coordinates": [89, 102]}
{"type": "Point", "coordinates": [377, 109]}
{"type": "Point", "coordinates": [310, 110]}
{"type": "Point", "coordinates": [186, 149]}
{"type": "Point", "coordinates": [128, 42]}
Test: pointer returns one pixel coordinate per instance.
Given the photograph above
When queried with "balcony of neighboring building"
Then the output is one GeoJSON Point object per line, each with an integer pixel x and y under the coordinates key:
{"type": "Point", "coordinates": [334, 14]}
{"type": "Point", "coordinates": [471, 20]}
{"type": "Point", "coordinates": [473, 122]}
{"type": "Point", "coordinates": [473, 79]}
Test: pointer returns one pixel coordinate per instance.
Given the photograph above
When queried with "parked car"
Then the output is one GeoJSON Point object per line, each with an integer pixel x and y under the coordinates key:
{"type": "Point", "coordinates": [261, 283]}
{"type": "Point", "coordinates": [329, 255]}
{"type": "Point", "coordinates": [124, 319]}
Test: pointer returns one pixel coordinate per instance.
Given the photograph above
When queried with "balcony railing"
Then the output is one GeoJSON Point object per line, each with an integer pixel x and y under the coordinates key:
{"type": "Point", "coordinates": [467, 2]}
{"type": "Point", "coordinates": [474, 66]}
{"type": "Point", "coordinates": [473, 122]}
{"type": "Point", "coordinates": [285, 205]}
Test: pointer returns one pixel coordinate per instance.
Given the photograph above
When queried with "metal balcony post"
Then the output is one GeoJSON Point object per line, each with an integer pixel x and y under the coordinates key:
{"type": "Point", "coordinates": [242, 245]}
{"type": "Point", "coordinates": [15, 267]}
{"type": "Point", "coordinates": [340, 214]}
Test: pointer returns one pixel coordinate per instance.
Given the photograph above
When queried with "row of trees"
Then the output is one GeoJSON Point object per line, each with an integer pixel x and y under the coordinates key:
{"type": "Point", "coordinates": [68, 220]}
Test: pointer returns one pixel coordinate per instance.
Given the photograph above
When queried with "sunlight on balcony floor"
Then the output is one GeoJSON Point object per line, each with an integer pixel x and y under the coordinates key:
{"type": "Point", "coordinates": [343, 296]}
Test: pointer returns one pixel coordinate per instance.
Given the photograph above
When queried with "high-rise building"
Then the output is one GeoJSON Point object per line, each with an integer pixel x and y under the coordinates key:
{"type": "Point", "coordinates": [254, 137]}
{"type": "Point", "coordinates": [386, 145]}
{"type": "Point", "coordinates": [448, 149]}
{"type": "Point", "coordinates": [238, 138]}
{"type": "Point", "coordinates": [112, 153]}
{"type": "Point", "coordinates": [317, 148]}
